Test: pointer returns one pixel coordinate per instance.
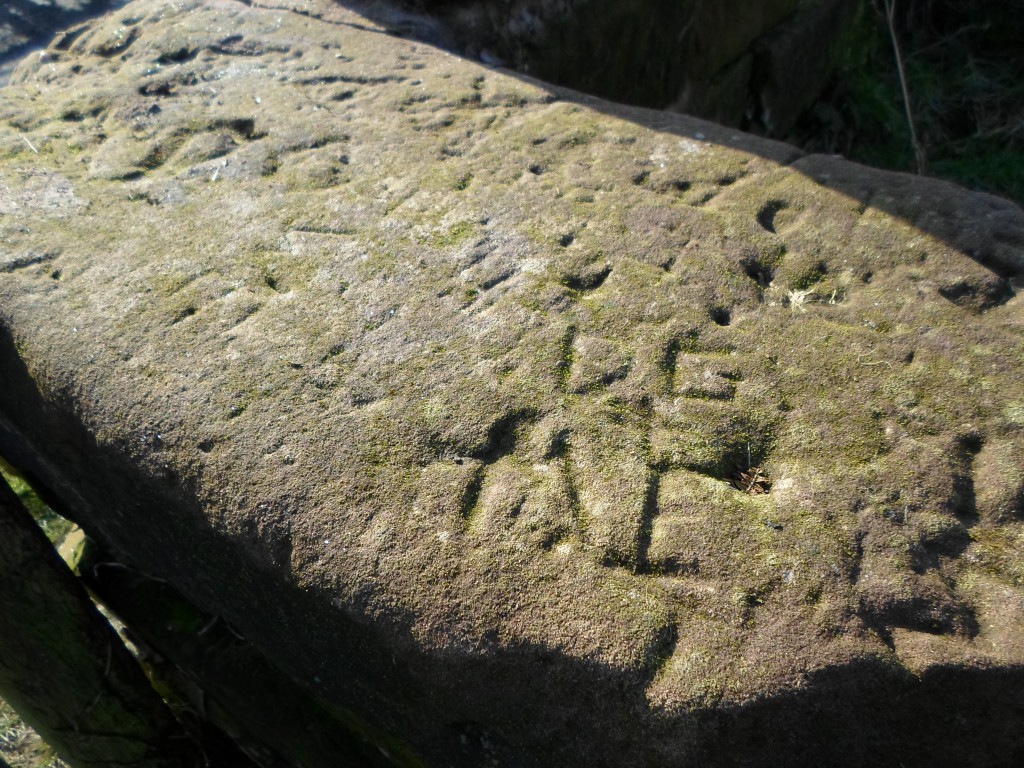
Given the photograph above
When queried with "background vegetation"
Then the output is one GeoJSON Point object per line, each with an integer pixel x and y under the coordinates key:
{"type": "Point", "coordinates": [965, 75]}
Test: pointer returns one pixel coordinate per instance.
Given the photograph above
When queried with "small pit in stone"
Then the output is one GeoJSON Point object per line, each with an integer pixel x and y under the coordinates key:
{"type": "Point", "coordinates": [766, 216]}
{"type": "Point", "coordinates": [589, 280]}
{"type": "Point", "coordinates": [721, 316]}
{"type": "Point", "coordinates": [758, 271]}
{"type": "Point", "coordinates": [178, 56]}
{"type": "Point", "coordinates": [184, 314]}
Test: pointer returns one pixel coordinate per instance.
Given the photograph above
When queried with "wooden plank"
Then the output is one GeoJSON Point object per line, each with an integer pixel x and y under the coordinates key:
{"type": "Point", "coordinates": [65, 670]}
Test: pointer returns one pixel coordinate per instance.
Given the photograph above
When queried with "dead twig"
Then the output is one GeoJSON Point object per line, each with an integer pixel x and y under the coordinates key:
{"type": "Point", "coordinates": [919, 155]}
{"type": "Point", "coordinates": [753, 481]}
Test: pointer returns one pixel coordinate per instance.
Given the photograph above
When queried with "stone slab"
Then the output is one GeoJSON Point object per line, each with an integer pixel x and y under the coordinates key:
{"type": "Point", "coordinates": [535, 429]}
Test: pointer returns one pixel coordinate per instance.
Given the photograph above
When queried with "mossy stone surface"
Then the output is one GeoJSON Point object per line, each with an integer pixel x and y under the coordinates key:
{"type": "Point", "coordinates": [532, 428]}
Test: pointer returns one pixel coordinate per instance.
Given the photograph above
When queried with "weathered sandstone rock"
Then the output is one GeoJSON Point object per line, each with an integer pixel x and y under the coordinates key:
{"type": "Point", "coordinates": [531, 428]}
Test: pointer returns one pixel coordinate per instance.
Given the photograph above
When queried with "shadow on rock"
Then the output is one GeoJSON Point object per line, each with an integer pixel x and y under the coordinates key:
{"type": "Point", "coordinates": [865, 714]}
{"type": "Point", "coordinates": [27, 24]}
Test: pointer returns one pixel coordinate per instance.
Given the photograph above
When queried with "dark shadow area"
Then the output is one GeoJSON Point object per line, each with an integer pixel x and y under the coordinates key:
{"type": "Point", "coordinates": [862, 714]}
{"type": "Point", "coordinates": [226, 685]}
{"type": "Point", "coordinates": [26, 25]}
{"type": "Point", "coordinates": [858, 714]}
{"type": "Point", "coordinates": [506, 704]}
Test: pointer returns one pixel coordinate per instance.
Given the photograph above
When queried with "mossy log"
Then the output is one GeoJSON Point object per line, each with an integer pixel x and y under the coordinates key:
{"type": "Point", "coordinates": [64, 669]}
